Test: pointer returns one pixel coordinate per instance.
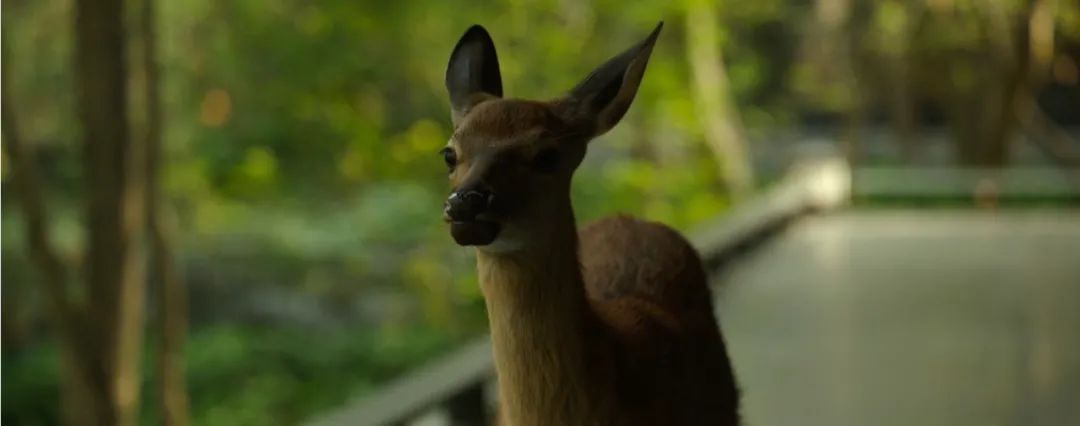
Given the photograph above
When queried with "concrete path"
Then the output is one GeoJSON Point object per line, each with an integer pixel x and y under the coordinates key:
{"type": "Point", "coordinates": [910, 318]}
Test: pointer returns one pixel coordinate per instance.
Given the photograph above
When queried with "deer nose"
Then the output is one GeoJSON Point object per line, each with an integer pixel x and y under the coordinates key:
{"type": "Point", "coordinates": [464, 206]}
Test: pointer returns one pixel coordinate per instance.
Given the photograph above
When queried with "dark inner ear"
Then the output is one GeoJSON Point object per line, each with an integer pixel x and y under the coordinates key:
{"type": "Point", "coordinates": [605, 95]}
{"type": "Point", "coordinates": [473, 72]}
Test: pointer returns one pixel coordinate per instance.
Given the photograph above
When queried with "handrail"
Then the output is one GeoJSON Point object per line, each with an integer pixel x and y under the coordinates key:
{"type": "Point", "coordinates": [812, 184]}
{"type": "Point", "coordinates": [422, 388]}
{"type": "Point", "coordinates": [924, 182]}
{"type": "Point", "coordinates": [456, 381]}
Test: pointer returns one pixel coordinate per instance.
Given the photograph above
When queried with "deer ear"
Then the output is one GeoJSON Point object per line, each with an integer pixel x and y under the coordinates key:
{"type": "Point", "coordinates": [605, 95]}
{"type": "Point", "coordinates": [473, 73]}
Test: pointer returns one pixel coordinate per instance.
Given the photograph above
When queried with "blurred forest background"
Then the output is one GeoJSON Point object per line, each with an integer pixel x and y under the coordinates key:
{"type": "Point", "coordinates": [227, 212]}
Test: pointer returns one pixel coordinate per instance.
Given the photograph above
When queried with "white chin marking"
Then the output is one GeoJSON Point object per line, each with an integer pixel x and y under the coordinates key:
{"type": "Point", "coordinates": [503, 244]}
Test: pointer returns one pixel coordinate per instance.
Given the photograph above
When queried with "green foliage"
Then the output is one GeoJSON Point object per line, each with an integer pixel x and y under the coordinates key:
{"type": "Point", "coordinates": [301, 155]}
{"type": "Point", "coordinates": [245, 375]}
{"type": "Point", "coordinates": [281, 376]}
{"type": "Point", "coordinates": [31, 384]}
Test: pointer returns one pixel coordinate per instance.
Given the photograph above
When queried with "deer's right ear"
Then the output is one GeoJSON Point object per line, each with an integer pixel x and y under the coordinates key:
{"type": "Point", "coordinates": [473, 73]}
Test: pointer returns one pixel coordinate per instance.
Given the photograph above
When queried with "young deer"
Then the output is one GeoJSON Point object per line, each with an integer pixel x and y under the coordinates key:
{"type": "Point", "coordinates": [610, 326]}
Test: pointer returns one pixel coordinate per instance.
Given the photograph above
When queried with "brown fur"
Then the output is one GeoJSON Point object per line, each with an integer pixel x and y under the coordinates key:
{"type": "Point", "coordinates": [649, 289]}
{"type": "Point", "coordinates": [612, 326]}
{"type": "Point", "coordinates": [508, 120]}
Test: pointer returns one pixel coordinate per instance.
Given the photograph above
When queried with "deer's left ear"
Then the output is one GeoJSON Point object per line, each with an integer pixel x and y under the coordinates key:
{"type": "Point", "coordinates": [472, 76]}
{"type": "Point", "coordinates": [605, 95]}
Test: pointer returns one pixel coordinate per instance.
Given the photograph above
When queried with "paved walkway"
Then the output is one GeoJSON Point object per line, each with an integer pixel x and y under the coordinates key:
{"type": "Point", "coordinates": [910, 318]}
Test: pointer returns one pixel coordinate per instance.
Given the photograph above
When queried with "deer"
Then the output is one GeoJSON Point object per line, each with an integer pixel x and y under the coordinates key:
{"type": "Point", "coordinates": [610, 325]}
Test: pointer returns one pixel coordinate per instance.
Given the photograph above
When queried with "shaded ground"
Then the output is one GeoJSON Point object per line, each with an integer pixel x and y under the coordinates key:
{"type": "Point", "coordinates": [910, 317]}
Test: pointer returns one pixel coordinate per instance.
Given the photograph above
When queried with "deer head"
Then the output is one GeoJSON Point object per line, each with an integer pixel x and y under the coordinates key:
{"type": "Point", "coordinates": [511, 160]}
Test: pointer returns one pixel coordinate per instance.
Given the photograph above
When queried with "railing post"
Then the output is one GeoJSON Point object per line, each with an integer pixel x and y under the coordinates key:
{"type": "Point", "coordinates": [468, 407]}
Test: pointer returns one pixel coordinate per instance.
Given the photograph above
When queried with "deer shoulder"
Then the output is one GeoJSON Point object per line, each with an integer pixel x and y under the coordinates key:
{"type": "Point", "coordinates": [644, 281]}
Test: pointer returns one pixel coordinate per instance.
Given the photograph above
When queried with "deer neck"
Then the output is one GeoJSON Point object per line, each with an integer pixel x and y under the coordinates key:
{"type": "Point", "coordinates": [541, 328]}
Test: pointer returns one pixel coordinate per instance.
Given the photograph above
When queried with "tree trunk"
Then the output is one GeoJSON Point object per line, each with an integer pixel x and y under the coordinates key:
{"type": "Point", "coordinates": [1054, 141]}
{"type": "Point", "coordinates": [172, 297]}
{"type": "Point", "coordinates": [712, 96]}
{"type": "Point", "coordinates": [12, 319]}
{"type": "Point", "coordinates": [831, 71]}
{"type": "Point", "coordinates": [83, 394]}
{"type": "Point", "coordinates": [986, 120]}
{"type": "Point", "coordinates": [901, 102]}
{"type": "Point", "coordinates": [114, 180]}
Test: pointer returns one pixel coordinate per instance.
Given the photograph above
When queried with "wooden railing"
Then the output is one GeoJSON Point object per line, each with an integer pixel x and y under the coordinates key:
{"type": "Point", "coordinates": [454, 388]}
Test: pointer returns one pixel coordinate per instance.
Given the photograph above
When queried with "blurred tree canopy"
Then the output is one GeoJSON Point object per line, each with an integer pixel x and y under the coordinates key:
{"type": "Point", "coordinates": [300, 143]}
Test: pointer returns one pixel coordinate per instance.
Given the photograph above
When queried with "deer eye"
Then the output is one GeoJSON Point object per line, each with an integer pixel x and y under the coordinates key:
{"type": "Point", "coordinates": [546, 161]}
{"type": "Point", "coordinates": [450, 157]}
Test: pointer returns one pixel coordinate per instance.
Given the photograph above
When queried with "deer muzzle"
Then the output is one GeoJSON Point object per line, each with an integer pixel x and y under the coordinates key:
{"type": "Point", "coordinates": [464, 210]}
